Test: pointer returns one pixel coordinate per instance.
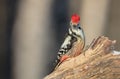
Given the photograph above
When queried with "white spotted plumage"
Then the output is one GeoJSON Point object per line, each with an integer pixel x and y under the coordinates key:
{"type": "Point", "coordinates": [75, 35]}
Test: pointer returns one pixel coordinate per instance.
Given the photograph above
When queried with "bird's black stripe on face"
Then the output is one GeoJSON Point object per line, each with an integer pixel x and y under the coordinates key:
{"type": "Point", "coordinates": [73, 33]}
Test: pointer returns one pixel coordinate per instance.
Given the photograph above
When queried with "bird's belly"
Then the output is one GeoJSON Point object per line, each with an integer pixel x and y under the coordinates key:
{"type": "Point", "coordinates": [77, 48]}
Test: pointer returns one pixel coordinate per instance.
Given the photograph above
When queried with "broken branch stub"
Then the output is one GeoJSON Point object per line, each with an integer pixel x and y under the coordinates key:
{"type": "Point", "coordinates": [97, 62]}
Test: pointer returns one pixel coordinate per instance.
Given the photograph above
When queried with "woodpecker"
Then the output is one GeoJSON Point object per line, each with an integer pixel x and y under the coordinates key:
{"type": "Point", "coordinates": [74, 41]}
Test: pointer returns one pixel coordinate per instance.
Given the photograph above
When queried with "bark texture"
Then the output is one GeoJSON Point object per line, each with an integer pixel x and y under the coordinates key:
{"type": "Point", "coordinates": [96, 62]}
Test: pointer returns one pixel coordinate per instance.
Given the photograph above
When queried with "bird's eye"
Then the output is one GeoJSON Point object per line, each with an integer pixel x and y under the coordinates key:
{"type": "Point", "coordinates": [79, 27]}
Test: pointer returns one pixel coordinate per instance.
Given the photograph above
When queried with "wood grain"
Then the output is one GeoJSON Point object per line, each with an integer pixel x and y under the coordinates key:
{"type": "Point", "coordinates": [97, 62]}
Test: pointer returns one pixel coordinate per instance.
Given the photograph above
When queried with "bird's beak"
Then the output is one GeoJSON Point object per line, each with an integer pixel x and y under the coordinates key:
{"type": "Point", "coordinates": [75, 24]}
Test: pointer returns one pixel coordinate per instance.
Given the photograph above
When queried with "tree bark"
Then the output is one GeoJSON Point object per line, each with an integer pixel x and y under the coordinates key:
{"type": "Point", "coordinates": [96, 62]}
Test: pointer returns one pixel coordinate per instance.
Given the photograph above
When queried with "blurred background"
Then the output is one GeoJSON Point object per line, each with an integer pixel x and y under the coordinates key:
{"type": "Point", "coordinates": [31, 32]}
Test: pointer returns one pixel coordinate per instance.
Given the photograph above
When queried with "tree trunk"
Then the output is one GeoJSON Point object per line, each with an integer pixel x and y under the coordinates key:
{"type": "Point", "coordinates": [30, 37]}
{"type": "Point", "coordinates": [96, 62]}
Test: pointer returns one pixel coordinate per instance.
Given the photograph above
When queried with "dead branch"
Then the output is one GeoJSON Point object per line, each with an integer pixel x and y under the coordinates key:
{"type": "Point", "coordinates": [97, 62]}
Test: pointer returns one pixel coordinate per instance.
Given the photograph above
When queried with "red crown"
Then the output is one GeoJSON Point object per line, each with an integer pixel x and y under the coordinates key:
{"type": "Point", "coordinates": [75, 18]}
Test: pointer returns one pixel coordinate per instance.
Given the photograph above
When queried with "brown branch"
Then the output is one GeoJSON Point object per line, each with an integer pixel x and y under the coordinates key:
{"type": "Point", "coordinates": [97, 62]}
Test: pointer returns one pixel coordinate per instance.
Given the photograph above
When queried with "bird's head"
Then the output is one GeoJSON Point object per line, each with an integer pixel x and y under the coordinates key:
{"type": "Point", "coordinates": [75, 26]}
{"type": "Point", "coordinates": [75, 22]}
